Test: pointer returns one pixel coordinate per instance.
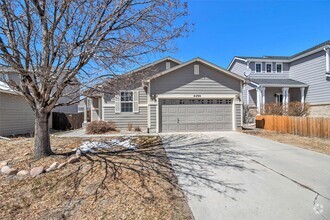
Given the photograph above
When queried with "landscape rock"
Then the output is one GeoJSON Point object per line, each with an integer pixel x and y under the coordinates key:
{"type": "Point", "coordinates": [53, 148]}
{"type": "Point", "coordinates": [36, 171]}
{"type": "Point", "coordinates": [52, 167]}
{"type": "Point", "coordinates": [22, 173]}
{"type": "Point", "coordinates": [3, 163]}
{"type": "Point", "coordinates": [73, 160]}
{"type": "Point", "coordinates": [16, 159]}
{"type": "Point", "coordinates": [61, 165]}
{"type": "Point", "coordinates": [8, 171]}
{"type": "Point", "coordinates": [78, 153]}
{"type": "Point", "coordinates": [27, 153]}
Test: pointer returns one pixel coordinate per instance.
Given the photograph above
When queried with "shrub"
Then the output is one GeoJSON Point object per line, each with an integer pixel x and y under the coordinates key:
{"type": "Point", "coordinates": [137, 128]}
{"type": "Point", "coordinates": [273, 109]}
{"type": "Point", "coordinates": [249, 114]}
{"type": "Point", "coordinates": [129, 127]}
{"type": "Point", "coordinates": [100, 127]}
{"type": "Point", "coordinates": [294, 109]}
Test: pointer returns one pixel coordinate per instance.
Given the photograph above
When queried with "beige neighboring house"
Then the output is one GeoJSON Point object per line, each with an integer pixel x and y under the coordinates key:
{"type": "Point", "coordinates": [16, 116]}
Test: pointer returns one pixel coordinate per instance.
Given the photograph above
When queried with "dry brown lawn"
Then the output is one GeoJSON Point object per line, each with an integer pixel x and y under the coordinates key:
{"type": "Point", "coordinates": [314, 144]}
{"type": "Point", "coordinates": [115, 184]}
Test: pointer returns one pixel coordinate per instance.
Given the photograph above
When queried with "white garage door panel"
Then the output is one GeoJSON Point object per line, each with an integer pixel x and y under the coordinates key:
{"type": "Point", "coordinates": [211, 115]}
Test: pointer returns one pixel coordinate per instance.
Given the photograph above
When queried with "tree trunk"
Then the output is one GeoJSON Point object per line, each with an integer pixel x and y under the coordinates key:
{"type": "Point", "coordinates": [41, 136]}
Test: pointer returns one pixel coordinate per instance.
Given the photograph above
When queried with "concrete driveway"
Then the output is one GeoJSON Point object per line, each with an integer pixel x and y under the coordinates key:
{"type": "Point", "coordinates": [230, 175]}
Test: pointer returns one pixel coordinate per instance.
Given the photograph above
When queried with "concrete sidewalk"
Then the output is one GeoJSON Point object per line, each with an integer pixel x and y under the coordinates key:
{"type": "Point", "coordinates": [230, 175]}
{"type": "Point", "coordinates": [82, 134]}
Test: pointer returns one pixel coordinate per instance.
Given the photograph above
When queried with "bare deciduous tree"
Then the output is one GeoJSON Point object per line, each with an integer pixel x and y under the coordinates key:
{"type": "Point", "coordinates": [50, 44]}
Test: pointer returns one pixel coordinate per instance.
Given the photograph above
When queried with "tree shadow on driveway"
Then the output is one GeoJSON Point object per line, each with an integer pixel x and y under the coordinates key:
{"type": "Point", "coordinates": [201, 162]}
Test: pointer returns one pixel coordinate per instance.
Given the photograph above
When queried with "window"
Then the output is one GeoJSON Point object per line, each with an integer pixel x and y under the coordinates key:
{"type": "Point", "coordinates": [126, 98]}
{"type": "Point", "coordinates": [268, 67]}
{"type": "Point", "coordinates": [258, 67]}
{"type": "Point", "coordinates": [279, 67]}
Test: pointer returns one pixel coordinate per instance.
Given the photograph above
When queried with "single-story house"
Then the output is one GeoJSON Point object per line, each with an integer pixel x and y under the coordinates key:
{"type": "Point", "coordinates": [302, 77]}
{"type": "Point", "coordinates": [171, 96]}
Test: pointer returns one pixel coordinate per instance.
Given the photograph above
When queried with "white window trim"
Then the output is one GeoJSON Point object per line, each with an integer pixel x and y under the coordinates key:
{"type": "Point", "coordinates": [255, 66]}
{"type": "Point", "coordinates": [281, 67]}
{"type": "Point", "coordinates": [132, 91]}
{"type": "Point", "coordinates": [271, 67]}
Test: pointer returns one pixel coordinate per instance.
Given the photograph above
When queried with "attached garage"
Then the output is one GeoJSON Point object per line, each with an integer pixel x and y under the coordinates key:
{"type": "Point", "coordinates": [180, 115]}
{"type": "Point", "coordinates": [195, 96]}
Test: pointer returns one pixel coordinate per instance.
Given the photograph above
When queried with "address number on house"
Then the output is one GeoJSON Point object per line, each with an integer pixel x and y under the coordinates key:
{"type": "Point", "coordinates": [197, 96]}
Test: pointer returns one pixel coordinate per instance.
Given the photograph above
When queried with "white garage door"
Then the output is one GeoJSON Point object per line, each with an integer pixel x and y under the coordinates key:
{"type": "Point", "coordinates": [196, 115]}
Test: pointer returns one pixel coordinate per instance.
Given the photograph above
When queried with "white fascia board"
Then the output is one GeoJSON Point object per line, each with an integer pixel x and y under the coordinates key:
{"type": "Point", "coordinates": [233, 60]}
{"type": "Point", "coordinates": [268, 60]}
{"type": "Point", "coordinates": [289, 60]}
{"type": "Point", "coordinates": [154, 63]}
{"type": "Point", "coordinates": [283, 85]}
{"type": "Point", "coordinates": [307, 54]}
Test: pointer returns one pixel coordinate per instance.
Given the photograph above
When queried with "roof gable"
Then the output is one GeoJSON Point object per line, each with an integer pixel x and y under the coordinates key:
{"type": "Point", "coordinates": [202, 61]}
{"type": "Point", "coordinates": [153, 64]}
{"type": "Point", "coordinates": [283, 58]}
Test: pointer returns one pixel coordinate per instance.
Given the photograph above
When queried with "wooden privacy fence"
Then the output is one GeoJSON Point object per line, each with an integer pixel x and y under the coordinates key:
{"type": "Point", "coordinates": [67, 121]}
{"type": "Point", "coordinates": [303, 126]}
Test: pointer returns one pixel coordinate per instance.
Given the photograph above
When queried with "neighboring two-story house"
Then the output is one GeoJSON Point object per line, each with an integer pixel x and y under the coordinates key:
{"type": "Point", "coordinates": [303, 77]}
{"type": "Point", "coordinates": [170, 96]}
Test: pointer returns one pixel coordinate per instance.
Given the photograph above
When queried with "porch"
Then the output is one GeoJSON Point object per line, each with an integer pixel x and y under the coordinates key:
{"type": "Point", "coordinates": [280, 91]}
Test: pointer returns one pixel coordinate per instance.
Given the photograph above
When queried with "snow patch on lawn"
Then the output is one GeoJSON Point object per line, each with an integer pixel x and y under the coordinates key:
{"type": "Point", "coordinates": [92, 146]}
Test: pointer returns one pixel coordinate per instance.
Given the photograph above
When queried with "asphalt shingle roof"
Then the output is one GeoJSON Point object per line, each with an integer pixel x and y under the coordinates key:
{"type": "Point", "coordinates": [288, 57]}
{"type": "Point", "coordinates": [277, 82]}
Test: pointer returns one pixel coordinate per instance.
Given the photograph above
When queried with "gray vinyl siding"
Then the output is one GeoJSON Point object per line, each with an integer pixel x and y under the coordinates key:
{"type": "Point", "coordinates": [140, 119]}
{"type": "Point", "coordinates": [238, 115]}
{"type": "Point", "coordinates": [66, 109]}
{"type": "Point", "coordinates": [238, 67]}
{"type": "Point", "coordinates": [252, 96]}
{"type": "Point", "coordinates": [143, 98]}
{"type": "Point", "coordinates": [124, 118]}
{"type": "Point", "coordinates": [264, 74]}
{"type": "Point", "coordinates": [16, 116]}
{"type": "Point", "coordinates": [183, 81]}
{"type": "Point", "coordinates": [311, 71]}
{"type": "Point", "coordinates": [153, 118]}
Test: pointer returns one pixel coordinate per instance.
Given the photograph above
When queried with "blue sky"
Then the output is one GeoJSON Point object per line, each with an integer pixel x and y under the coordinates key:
{"type": "Point", "coordinates": [225, 28]}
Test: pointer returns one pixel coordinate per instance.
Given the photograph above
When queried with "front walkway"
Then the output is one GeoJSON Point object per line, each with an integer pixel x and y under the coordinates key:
{"type": "Point", "coordinates": [82, 134]}
{"type": "Point", "coordinates": [230, 175]}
